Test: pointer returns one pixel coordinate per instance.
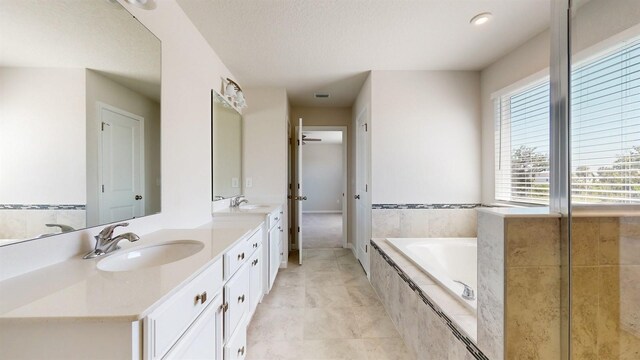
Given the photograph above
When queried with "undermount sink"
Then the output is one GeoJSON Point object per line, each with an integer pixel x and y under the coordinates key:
{"type": "Point", "coordinates": [252, 206]}
{"type": "Point", "coordinates": [150, 256]}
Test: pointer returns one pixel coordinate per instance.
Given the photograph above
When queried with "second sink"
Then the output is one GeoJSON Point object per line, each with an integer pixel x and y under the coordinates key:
{"type": "Point", "coordinates": [149, 256]}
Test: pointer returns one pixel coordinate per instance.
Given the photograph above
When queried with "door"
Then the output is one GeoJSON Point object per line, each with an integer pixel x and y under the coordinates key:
{"type": "Point", "coordinates": [299, 191]}
{"type": "Point", "coordinates": [120, 165]}
{"type": "Point", "coordinates": [255, 280]}
{"type": "Point", "coordinates": [361, 197]}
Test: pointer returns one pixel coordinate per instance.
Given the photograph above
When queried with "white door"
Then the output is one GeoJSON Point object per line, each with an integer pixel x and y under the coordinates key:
{"type": "Point", "coordinates": [299, 193]}
{"type": "Point", "coordinates": [121, 164]}
{"type": "Point", "coordinates": [362, 199]}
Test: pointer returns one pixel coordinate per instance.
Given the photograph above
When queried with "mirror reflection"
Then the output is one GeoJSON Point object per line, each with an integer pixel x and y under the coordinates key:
{"type": "Point", "coordinates": [227, 149]}
{"type": "Point", "coordinates": [79, 117]}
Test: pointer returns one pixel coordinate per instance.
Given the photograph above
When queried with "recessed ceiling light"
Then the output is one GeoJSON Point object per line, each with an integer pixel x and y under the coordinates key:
{"type": "Point", "coordinates": [481, 18]}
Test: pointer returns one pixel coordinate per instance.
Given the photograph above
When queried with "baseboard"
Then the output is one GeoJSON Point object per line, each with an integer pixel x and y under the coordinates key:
{"type": "Point", "coordinates": [322, 212]}
{"type": "Point", "coordinates": [353, 249]}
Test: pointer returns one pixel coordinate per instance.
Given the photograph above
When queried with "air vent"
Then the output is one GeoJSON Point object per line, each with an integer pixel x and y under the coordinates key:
{"type": "Point", "coordinates": [321, 95]}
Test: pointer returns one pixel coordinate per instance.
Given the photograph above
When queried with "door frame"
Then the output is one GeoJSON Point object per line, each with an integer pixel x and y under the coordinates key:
{"type": "Point", "coordinates": [345, 156]}
{"type": "Point", "coordinates": [104, 106]}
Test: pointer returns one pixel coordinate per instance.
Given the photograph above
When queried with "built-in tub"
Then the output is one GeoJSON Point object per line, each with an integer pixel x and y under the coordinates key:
{"type": "Point", "coordinates": [446, 261]}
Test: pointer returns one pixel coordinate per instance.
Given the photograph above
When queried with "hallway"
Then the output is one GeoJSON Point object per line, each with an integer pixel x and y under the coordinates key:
{"type": "Point", "coordinates": [321, 231]}
{"type": "Point", "coordinates": [324, 309]}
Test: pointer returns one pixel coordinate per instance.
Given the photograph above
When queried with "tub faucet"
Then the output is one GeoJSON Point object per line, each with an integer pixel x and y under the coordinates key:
{"type": "Point", "coordinates": [467, 293]}
{"type": "Point", "coordinates": [106, 243]}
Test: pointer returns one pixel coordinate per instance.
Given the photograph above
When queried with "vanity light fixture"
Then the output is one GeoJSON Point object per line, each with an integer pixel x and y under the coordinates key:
{"type": "Point", "coordinates": [234, 94]}
{"type": "Point", "coordinates": [481, 18]}
{"type": "Point", "coordinates": [143, 4]}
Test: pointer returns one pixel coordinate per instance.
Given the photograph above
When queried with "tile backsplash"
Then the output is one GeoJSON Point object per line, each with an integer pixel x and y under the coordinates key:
{"type": "Point", "coordinates": [423, 220]}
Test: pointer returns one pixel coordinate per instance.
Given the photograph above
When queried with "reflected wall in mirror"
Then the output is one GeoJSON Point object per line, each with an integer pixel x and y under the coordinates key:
{"type": "Point", "coordinates": [227, 149]}
{"type": "Point", "coordinates": [79, 117]}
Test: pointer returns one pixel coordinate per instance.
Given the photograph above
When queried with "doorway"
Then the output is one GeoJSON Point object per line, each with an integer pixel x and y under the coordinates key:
{"type": "Point", "coordinates": [120, 164]}
{"type": "Point", "coordinates": [322, 168]}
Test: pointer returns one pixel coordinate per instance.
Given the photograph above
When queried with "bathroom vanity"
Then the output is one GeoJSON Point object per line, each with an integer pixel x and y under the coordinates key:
{"type": "Point", "coordinates": [195, 307]}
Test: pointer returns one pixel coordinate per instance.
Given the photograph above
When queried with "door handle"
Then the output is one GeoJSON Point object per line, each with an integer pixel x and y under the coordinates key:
{"type": "Point", "coordinates": [300, 198]}
{"type": "Point", "coordinates": [138, 197]}
{"type": "Point", "coordinates": [357, 197]}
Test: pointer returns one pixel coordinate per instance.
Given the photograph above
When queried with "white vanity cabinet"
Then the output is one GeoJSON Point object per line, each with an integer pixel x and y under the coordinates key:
{"type": "Point", "coordinates": [166, 326]}
{"type": "Point", "coordinates": [276, 251]}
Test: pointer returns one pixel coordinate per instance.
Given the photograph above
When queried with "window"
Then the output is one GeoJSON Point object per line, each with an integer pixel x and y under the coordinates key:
{"type": "Point", "coordinates": [605, 133]}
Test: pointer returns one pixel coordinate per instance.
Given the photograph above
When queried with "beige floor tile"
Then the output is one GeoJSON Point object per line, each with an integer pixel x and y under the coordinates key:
{"type": "Point", "coordinates": [373, 322]}
{"type": "Point", "coordinates": [312, 265]}
{"type": "Point", "coordinates": [323, 278]}
{"type": "Point", "coordinates": [318, 254]}
{"type": "Point", "coordinates": [386, 349]}
{"type": "Point", "coordinates": [363, 295]}
{"type": "Point", "coordinates": [290, 278]}
{"type": "Point", "coordinates": [352, 349]}
{"type": "Point", "coordinates": [328, 296]}
{"type": "Point", "coordinates": [275, 350]}
{"type": "Point", "coordinates": [285, 296]}
{"type": "Point", "coordinates": [276, 324]}
{"type": "Point", "coordinates": [330, 323]}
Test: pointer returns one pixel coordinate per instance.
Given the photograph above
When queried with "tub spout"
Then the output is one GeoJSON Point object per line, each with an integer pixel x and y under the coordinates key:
{"type": "Point", "coordinates": [467, 293]}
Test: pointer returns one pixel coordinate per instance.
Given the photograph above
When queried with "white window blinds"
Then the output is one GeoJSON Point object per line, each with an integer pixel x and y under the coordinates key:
{"type": "Point", "coordinates": [605, 130]}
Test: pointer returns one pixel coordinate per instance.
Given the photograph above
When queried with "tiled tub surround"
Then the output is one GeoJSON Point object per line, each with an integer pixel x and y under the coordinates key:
{"type": "Point", "coordinates": [606, 288]}
{"type": "Point", "coordinates": [28, 221]}
{"type": "Point", "coordinates": [518, 284]}
{"type": "Point", "coordinates": [423, 220]}
{"type": "Point", "coordinates": [433, 324]}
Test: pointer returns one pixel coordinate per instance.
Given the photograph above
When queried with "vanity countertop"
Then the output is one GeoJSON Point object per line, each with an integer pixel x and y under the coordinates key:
{"type": "Point", "coordinates": [262, 210]}
{"type": "Point", "coordinates": [77, 290]}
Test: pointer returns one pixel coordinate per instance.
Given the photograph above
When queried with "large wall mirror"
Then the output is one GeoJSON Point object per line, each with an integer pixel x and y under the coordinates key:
{"type": "Point", "coordinates": [79, 117]}
{"type": "Point", "coordinates": [227, 149]}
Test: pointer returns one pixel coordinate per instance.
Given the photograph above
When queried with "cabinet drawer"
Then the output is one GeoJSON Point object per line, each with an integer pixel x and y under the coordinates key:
{"type": "Point", "coordinates": [274, 217]}
{"type": "Point", "coordinates": [255, 241]}
{"type": "Point", "coordinates": [236, 348]}
{"type": "Point", "coordinates": [167, 323]}
{"type": "Point", "coordinates": [203, 340]}
{"type": "Point", "coordinates": [235, 257]}
{"type": "Point", "coordinates": [237, 299]}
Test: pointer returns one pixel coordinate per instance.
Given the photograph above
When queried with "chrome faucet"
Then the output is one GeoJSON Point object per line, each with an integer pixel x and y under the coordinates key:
{"type": "Point", "coordinates": [237, 201]}
{"type": "Point", "coordinates": [106, 243]}
{"type": "Point", "coordinates": [467, 293]}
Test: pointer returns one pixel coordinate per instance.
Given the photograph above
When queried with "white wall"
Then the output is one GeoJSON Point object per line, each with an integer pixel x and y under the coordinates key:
{"type": "Point", "coordinates": [42, 136]}
{"type": "Point", "coordinates": [190, 69]}
{"type": "Point", "coordinates": [363, 103]}
{"type": "Point", "coordinates": [322, 176]}
{"type": "Point", "coordinates": [102, 89]}
{"type": "Point", "coordinates": [265, 144]}
{"type": "Point", "coordinates": [595, 21]}
{"type": "Point", "coordinates": [425, 136]}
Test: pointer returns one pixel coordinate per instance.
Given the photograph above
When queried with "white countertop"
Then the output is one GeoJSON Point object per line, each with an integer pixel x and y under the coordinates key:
{"type": "Point", "coordinates": [76, 290]}
{"type": "Point", "coordinates": [263, 210]}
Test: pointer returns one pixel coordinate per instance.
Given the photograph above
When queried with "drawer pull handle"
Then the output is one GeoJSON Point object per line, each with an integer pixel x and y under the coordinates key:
{"type": "Point", "coordinates": [255, 245]}
{"type": "Point", "coordinates": [224, 307]}
{"type": "Point", "coordinates": [202, 298]}
{"type": "Point", "coordinates": [241, 351]}
{"type": "Point", "coordinates": [277, 218]}
{"type": "Point", "coordinates": [241, 298]}
{"type": "Point", "coordinates": [241, 256]}
{"type": "Point", "coordinates": [254, 262]}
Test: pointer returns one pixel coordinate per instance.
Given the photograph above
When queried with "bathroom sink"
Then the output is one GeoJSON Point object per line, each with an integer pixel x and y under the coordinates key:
{"type": "Point", "coordinates": [252, 206]}
{"type": "Point", "coordinates": [149, 256]}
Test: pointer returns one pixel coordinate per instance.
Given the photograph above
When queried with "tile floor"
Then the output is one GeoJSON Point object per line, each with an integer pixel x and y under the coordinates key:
{"type": "Point", "coordinates": [324, 309]}
{"type": "Point", "coordinates": [322, 230]}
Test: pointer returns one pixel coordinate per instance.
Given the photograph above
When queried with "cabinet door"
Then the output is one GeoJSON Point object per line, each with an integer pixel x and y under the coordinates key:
{"type": "Point", "coordinates": [255, 290]}
{"type": "Point", "coordinates": [274, 254]}
{"type": "Point", "coordinates": [237, 298]}
{"type": "Point", "coordinates": [203, 340]}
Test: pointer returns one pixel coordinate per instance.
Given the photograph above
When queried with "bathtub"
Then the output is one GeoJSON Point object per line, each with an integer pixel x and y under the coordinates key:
{"type": "Point", "coordinates": [445, 260]}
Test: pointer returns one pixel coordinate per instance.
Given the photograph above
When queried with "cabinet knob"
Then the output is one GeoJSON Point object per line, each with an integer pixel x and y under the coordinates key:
{"type": "Point", "coordinates": [255, 245]}
{"type": "Point", "coordinates": [254, 262]}
{"type": "Point", "coordinates": [241, 351]}
{"type": "Point", "coordinates": [277, 218]}
{"type": "Point", "coordinates": [241, 298]}
{"type": "Point", "coordinates": [224, 307]}
{"type": "Point", "coordinates": [201, 298]}
{"type": "Point", "coordinates": [241, 256]}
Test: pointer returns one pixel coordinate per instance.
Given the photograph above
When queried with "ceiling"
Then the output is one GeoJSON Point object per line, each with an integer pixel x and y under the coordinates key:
{"type": "Point", "coordinates": [326, 137]}
{"type": "Point", "coordinates": [94, 34]}
{"type": "Point", "coordinates": [312, 46]}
